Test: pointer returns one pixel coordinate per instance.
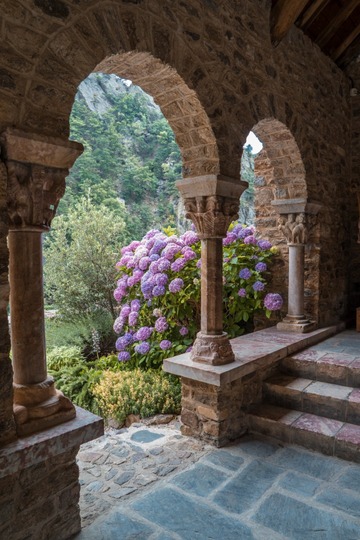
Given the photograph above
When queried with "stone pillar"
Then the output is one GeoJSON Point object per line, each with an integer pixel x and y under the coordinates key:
{"type": "Point", "coordinates": [294, 222]}
{"type": "Point", "coordinates": [37, 167]}
{"type": "Point", "coordinates": [212, 203]}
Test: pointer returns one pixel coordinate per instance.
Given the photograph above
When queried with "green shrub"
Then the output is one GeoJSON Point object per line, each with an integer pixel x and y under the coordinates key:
{"type": "Point", "coordinates": [137, 392]}
{"type": "Point", "coordinates": [59, 357]}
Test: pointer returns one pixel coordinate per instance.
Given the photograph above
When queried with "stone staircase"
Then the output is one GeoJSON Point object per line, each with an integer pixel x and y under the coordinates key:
{"type": "Point", "coordinates": [313, 401]}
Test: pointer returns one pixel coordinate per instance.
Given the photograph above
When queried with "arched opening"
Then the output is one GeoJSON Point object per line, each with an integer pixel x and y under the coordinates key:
{"type": "Point", "coordinates": [280, 175]}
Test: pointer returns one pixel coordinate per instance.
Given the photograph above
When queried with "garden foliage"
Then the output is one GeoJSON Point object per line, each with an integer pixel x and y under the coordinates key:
{"type": "Point", "coordinates": [159, 291]}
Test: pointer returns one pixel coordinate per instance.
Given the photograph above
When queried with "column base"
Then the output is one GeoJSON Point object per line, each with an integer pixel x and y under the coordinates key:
{"type": "Point", "coordinates": [298, 324]}
{"type": "Point", "coordinates": [40, 406]}
{"type": "Point", "coordinates": [213, 350]}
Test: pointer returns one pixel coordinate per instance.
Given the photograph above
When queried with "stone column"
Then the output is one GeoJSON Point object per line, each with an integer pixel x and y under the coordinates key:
{"type": "Point", "coordinates": [212, 203]}
{"type": "Point", "coordinates": [37, 167]}
{"type": "Point", "coordinates": [294, 223]}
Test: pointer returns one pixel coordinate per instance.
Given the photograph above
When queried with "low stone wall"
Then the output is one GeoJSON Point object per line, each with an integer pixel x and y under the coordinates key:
{"type": "Point", "coordinates": [217, 414]}
{"type": "Point", "coordinates": [39, 481]}
{"type": "Point", "coordinates": [42, 501]}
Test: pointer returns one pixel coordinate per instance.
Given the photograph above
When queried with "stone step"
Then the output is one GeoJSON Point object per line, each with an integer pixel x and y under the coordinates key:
{"type": "Point", "coordinates": [316, 397]}
{"type": "Point", "coordinates": [331, 437]}
{"type": "Point", "coordinates": [338, 368]}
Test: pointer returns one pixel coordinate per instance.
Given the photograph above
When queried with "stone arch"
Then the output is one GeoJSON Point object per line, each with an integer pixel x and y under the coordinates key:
{"type": "Point", "coordinates": [280, 174]}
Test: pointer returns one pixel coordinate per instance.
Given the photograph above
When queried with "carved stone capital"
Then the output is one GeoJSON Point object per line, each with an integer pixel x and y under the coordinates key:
{"type": "Point", "coordinates": [213, 350]}
{"type": "Point", "coordinates": [293, 227]}
{"type": "Point", "coordinates": [37, 167]}
{"type": "Point", "coordinates": [212, 215]}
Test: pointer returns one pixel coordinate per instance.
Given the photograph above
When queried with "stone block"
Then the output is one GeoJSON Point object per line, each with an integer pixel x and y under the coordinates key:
{"type": "Point", "coordinates": [200, 480]}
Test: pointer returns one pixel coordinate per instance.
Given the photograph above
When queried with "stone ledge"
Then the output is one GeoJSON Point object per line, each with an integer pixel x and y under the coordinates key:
{"type": "Point", "coordinates": [36, 448]}
{"type": "Point", "coordinates": [252, 352]}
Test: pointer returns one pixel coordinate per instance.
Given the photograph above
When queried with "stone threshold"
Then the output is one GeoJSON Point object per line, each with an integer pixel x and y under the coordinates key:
{"type": "Point", "coordinates": [31, 450]}
{"type": "Point", "coordinates": [254, 351]}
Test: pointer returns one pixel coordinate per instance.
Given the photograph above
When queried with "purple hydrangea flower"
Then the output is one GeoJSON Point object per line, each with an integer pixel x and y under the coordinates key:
{"type": "Point", "coordinates": [165, 344]}
{"type": "Point", "coordinates": [135, 305]}
{"type": "Point", "coordinates": [261, 267]}
{"type": "Point", "coordinates": [264, 244]}
{"type": "Point", "coordinates": [128, 338]}
{"type": "Point", "coordinates": [134, 244]}
{"type": "Point", "coordinates": [178, 264]}
{"type": "Point", "coordinates": [151, 233]}
{"type": "Point", "coordinates": [250, 240]}
{"type": "Point", "coordinates": [184, 331]}
{"type": "Point", "coordinates": [176, 285]}
{"type": "Point", "coordinates": [245, 273]}
{"type": "Point", "coordinates": [242, 293]}
{"type": "Point", "coordinates": [198, 264]}
{"type": "Point", "coordinates": [118, 325]}
{"type": "Point", "coordinates": [244, 232]}
{"type": "Point", "coordinates": [158, 246]}
{"type": "Point", "coordinates": [124, 356]}
{"type": "Point", "coordinates": [154, 257]}
{"type": "Point", "coordinates": [230, 238]}
{"type": "Point", "coordinates": [154, 267]}
{"type": "Point", "coordinates": [144, 333]}
{"type": "Point", "coordinates": [163, 265]}
{"type": "Point", "coordinates": [133, 317]}
{"type": "Point", "coordinates": [190, 238]}
{"type": "Point", "coordinates": [170, 251]}
{"type": "Point", "coordinates": [273, 301]}
{"type": "Point", "coordinates": [142, 348]}
{"type": "Point", "coordinates": [118, 294]}
{"type": "Point", "coordinates": [188, 254]}
{"type": "Point", "coordinates": [161, 279]}
{"type": "Point", "coordinates": [125, 311]}
{"type": "Point", "coordinates": [146, 288]}
{"type": "Point", "coordinates": [124, 259]}
{"type": "Point", "coordinates": [121, 343]}
{"type": "Point", "coordinates": [189, 349]}
{"type": "Point", "coordinates": [161, 324]}
{"type": "Point", "coordinates": [144, 263]}
{"type": "Point", "coordinates": [258, 286]}
{"type": "Point", "coordinates": [158, 290]}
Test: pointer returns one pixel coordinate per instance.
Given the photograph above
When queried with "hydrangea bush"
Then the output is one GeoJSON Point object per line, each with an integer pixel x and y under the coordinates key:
{"type": "Point", "coordinates": [158, 291]}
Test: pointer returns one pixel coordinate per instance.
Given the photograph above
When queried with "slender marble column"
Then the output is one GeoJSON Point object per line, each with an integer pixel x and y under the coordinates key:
{"type": "Point", "coordinates": [36, 167]}
{"type": "Point", "coordinates": [211, 203]}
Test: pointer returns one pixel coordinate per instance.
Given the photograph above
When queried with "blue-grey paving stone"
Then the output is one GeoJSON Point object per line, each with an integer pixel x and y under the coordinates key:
{"type": "Point", "coordinates": [124, 477]}
{"type": "Point", "coordinates": [246, 488]}
{"type": "Point", "coordinates": [323, 467]}
{"type": "Point", "coordinates": [351, 479]}
{"type": "Point", "coordinates": [190, 519]}
{"type": "Point", "coordinates": [342, 500]}
{"type": "Point", "coordinates": [222, 458]}
{"type": "Point", "coordinates": [200, 480]}
{"type": "Point", "coordinates": [253, 447]}
{"type": "Point", "coordinates": [145, 436]}
{"type": "Point", "coordinates": [115, 526]}
{"type": "Point", "coordinates": [299, 484]}
{"type": "Point", "coordinates": [300, 521]}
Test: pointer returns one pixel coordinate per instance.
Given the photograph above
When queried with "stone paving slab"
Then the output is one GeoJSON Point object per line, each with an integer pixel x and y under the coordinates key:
{"type": "Point", "coordinates": [174, 487]}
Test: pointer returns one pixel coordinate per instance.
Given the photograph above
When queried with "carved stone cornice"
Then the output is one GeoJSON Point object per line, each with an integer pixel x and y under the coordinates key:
{"type": "Point", "coordinates": [37, 167]}
{"type": "Point", "coordinates": [211, 202]}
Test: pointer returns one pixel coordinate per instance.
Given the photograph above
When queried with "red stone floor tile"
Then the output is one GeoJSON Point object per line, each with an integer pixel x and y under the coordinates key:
{"type": "Point", "coordinates": [318, 424]}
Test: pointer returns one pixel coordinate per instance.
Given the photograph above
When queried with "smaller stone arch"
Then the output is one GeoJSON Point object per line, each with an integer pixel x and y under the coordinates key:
{"type": "Point", "coordinates": [280, 175]}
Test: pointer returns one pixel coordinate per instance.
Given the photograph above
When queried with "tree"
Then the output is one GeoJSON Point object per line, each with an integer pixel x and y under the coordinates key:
{"type": "Point", "coordinates": [80, 256]}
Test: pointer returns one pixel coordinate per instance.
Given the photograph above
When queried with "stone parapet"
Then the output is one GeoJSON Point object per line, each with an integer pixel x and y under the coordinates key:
{"type": "Point", "coordinates": [216, 399]}
{"type": "Point", "coordinates": [39, 480]}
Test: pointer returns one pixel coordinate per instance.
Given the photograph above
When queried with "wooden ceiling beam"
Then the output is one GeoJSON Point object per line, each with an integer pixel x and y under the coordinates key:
{"type": "Point", "coordinates": [312, 12]}
{"type": "Point", "coordinates": [336, 22]}
{"type": "Point", "coordinates": [283, 16]}
{"type": "Point", "coordinates": [345, 44]}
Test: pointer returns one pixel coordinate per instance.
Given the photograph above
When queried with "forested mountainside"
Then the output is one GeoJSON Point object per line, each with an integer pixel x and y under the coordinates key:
{"type": "Point", "coordinates": [131, 160]}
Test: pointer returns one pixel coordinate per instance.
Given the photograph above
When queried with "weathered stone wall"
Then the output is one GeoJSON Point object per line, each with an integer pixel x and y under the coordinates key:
{"type": "Point", "coordinates": [354, 199]}
{"type": "Point", "coordinates": [218, 414]}
{"type": "Point", "coordinates": [215, 76]}
{"type": "Point", "coordinates": [41, 502]}
{"type": "Point", "coordinates": [7, 427]}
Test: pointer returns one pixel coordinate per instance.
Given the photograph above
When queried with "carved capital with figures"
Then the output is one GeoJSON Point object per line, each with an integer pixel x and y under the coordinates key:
{"type": "Point", "coordinates": [211, 214]}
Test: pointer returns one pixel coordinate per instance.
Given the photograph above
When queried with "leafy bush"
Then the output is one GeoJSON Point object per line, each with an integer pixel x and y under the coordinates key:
{"type": "Point", "coordinates": [60, 357]}
{"type": "Point", "coordinates": [93, 334]}
{"type": "Point", "coordinates": [159, 291]}
{"type": "Point", "coordinates": [137, 392]}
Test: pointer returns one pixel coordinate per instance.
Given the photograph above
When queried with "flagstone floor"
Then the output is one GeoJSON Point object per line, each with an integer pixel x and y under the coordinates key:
{"type": "Point", "coordinates": [150, 482]}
